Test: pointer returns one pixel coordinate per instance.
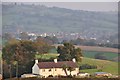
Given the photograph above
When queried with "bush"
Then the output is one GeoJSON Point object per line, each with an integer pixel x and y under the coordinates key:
{"type": "Point", "coordinates": [87, 66]}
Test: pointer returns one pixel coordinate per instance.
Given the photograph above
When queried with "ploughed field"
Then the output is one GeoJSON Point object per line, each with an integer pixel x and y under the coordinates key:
{"type": "Point", "coordinates": [96, 48]}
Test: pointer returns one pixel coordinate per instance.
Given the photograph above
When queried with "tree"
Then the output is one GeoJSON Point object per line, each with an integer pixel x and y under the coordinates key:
{"type": "Point", "coordinates": [68, 52]}
{"type": "Point", "coordinates": [65, 69]}
{"type": "Point", "coordinates": [24, 36]}
{"type": "Point", "coordinates": [23, 52]}
{"type": "Point", "coordinates": [78, 54]}
{"type": "Point", "coordinates": [70, 69]}
{"type": "Point", "coordinates": [7, 36]}
{"type": "Point", "coordinates": [43, 46]}
{"type": "Point", "coordinates": [53, 39]}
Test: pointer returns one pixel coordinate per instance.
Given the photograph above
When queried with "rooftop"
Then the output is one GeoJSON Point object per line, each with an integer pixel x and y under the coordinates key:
{"type": "Point", "coordinates": [60, 64]}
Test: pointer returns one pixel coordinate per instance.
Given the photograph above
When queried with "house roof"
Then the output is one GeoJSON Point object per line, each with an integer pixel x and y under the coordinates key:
{"type": "Point", "coordinates": [45, 65]}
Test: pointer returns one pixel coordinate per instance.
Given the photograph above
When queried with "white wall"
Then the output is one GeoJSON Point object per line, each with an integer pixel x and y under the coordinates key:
{"type": "Point", "coordinates": [35, 69]}
{"type": "Point", "coordinates": [57, 71]}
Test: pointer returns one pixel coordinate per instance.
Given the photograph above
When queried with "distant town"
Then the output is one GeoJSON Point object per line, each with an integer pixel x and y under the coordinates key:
{"type": "Point", "coordinates": [103, 39]}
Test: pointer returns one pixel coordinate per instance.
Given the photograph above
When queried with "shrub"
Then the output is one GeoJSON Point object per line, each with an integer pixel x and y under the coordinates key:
{"type": "Point", "coordinates": [87, 66]}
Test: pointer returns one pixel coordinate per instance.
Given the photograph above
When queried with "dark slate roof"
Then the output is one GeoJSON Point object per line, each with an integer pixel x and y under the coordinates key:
{"type": "Point", "coordinates": [45, 65]}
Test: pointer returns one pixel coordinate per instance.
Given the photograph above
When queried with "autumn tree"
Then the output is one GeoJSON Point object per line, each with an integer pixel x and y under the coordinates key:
{"type": "Point", "coordinates": [23, 53]}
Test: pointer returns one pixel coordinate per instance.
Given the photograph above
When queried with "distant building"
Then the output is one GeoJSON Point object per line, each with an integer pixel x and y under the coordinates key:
{"type": "Point", "coordinates": [28, 75]}
{"type": "Point", "coordinates": [55, 68]}
{"type": "Point", "coordinates": [102, 74]}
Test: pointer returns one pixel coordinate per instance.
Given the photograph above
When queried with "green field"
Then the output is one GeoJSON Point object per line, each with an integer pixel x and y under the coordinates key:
{"type": "Point", "coordinates": [108, 55]}
{"type": "Point", "coordinates": [108, 66]}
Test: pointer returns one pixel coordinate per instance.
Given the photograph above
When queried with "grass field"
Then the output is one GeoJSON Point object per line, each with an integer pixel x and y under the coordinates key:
{"type": "Point", "coordinates": [108, 66]}
{"type": "Point", "coordinates": [108, 55]}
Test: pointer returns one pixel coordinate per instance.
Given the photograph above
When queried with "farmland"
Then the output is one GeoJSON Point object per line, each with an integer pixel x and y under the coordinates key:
{"type": "Point", "coordinates": [99, 49]}
{"type": "Point", "coordinates": [108, 66]}
{"type": "Point", "coordinates": [108, 55]}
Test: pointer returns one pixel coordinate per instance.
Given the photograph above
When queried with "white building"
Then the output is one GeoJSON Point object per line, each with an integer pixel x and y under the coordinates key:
{"type": "Point", "coordinates": [28, 75]}
{"type": "Point", "coordinates": [55, 68]}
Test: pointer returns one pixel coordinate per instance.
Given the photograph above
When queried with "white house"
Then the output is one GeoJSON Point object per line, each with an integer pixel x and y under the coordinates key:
{"type": "Point", "coordinates": [55, 68]}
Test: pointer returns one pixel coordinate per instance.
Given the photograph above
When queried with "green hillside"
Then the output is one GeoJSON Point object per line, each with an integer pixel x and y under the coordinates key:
{"type": "Point", "coordinates": [37, 18]}
{"type": "Point", "coordinates": [108, 55]}
{"type": "Point", "coordinates": [108, 66]}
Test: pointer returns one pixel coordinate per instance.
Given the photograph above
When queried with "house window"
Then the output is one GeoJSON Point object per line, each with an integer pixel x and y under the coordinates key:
{"type": "Point", "coordinates": [43, 70]}
{"type": "Point", "coordinates": [49, 70]}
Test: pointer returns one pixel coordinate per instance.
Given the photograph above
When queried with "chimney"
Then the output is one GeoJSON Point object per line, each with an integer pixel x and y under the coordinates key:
{"type": "Point", "coordinates": [36, 61]}
{"type": "Point", "coordinates": [55, 60]}
{"type": "Point", "coordinates": [74, 60]}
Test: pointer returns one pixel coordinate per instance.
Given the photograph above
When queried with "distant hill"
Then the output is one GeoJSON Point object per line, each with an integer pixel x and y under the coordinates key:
{"type": "Point", "coordinates": [37, 18]}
